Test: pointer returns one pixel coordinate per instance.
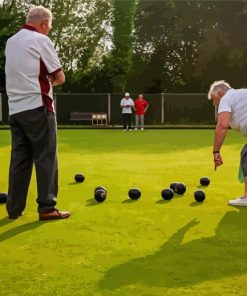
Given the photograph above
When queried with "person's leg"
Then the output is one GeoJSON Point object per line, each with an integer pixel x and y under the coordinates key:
{"type": "Point", "coordinates": [124, 121]}
{"type": "Point", "coordinates": [142, 121]}
{"type": "Point", "coordinates": [20, 169]}
{"type": "Point", "coordinates": [137, 121]}
{"type": "Point", "coordinates": [43, 136]}
{"type": "Point", "coordinates": [243, 162]}
{"type": "Point", "coordinates": [245, 187]}
{"type": "Point", "coordinates": [129, 121]}
{"type": "Point", "coordinates": [242, 201]}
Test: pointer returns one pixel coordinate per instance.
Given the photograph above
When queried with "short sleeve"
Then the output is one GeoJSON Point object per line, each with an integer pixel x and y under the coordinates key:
{"type": "Point", "coordinates": [50, 57]}
{"type": "Point", "coordinates": [224, 106]}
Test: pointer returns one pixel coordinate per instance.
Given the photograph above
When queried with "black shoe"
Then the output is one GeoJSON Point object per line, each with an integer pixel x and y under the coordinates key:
{"type": "Point", "coordinates": [14, 216]}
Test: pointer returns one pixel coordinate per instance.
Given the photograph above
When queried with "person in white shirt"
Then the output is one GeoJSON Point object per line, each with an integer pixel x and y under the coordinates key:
{"type": "Point", "coordinates": [32, 68]}
{"type": "Point", "coordinates": [127, 104]}
{"type": "Point", "coordinates": [232, 111]}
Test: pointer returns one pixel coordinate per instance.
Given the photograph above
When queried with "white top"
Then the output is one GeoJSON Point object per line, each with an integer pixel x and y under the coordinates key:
{"type": "Point", "coordinates": [30, 56]}
{"type": "Point", "coordinates": [235, 101]}
{"type": "Point", "coordinates": [127, 102]}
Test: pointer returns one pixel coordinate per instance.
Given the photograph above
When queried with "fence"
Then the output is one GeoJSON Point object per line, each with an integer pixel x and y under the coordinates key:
{"type": "Point", "coordinates": [165, 108]}
{"type": "Point", "coordinates": [1, 108]}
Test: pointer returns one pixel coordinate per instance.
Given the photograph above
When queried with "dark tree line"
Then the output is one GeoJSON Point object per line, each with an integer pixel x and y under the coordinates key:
{"type": "Point", "coordinates": [145, 45]}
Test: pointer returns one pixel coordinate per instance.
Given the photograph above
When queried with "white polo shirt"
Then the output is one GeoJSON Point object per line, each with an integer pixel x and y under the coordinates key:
{"type": "Point", "coordinates": [30, 56]}
{"type": "Point", "coordinates": [235, 101]}
{"type": "Point", "coordinates": [125, 102]}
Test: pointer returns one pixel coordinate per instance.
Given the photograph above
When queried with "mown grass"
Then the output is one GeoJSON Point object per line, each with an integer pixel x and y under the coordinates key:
{"type": "Point", "coordinates": [147, 247]}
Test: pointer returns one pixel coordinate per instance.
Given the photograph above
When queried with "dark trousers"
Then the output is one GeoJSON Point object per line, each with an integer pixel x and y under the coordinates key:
{"type": "Point", "coordinates": [127, 120]}
{"type": "Point", "coordinates": [243, 160]}
{"type": "Point", "coordinates": [34, 141]}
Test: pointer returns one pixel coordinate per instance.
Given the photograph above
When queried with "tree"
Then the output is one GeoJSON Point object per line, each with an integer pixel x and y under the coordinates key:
{"type": "Point", "coordinates": [146, 45]}
{"type": "Point", "coordinates": [180, 43]}
{"type": "Point", "coordinates": [80, 30]}
{"type": "Point", "coordinates": [10, 20]}
{"type": "Point", "coordinates": [123, 25]}
{"type": "Point", "coordinates": [222, 53]}
{"type": "Point", "coordinates": [167, 36]}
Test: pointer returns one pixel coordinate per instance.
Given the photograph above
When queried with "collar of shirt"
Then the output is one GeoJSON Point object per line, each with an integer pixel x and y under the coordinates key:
{"type": "Point", "coordinates": [28, 27]}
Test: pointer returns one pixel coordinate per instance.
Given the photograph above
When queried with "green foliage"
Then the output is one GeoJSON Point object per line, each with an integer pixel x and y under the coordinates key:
{"type": "Point", "coordinates": [168, 34]}
{"type": "Point", "coordinates": [10, 21]}
{"type": "Point", "coordinates": [184, 45]}
{"type": "Point", "coordinates": [123, 25]}
{"type": "Point", "coordinates": [146, 45]}
{"type": "Point", "coordinates": [222, 53]}
{"type": "Point", "coordinates": [80, 30]}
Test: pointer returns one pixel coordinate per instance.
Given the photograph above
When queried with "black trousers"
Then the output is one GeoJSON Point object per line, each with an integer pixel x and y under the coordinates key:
{"type": "Point", "coordinates": [127, 120]}
{"type": "Point", "coordinates": [34, 141]}
{"type": "Point", "coordinates": [243, 160]}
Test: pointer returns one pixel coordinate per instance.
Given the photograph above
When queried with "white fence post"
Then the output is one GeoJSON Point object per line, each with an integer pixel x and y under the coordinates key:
{"type": "Point", "coordinates": [1, 108]}
{"type": "Point", "coordinates": [162, 108]}
{"type": "Point", "coordinates": [109, 107]}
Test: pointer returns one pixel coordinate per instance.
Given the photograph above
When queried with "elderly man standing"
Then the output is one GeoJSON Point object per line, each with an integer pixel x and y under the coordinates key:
{"type": "Point", "coordinates": [141, 107]}
{"type": "Point", "coordinates": [232, 111]}
{"type": "Point", "coordinates": [32, 68]}
{"type": "Point", "coordinates": [127, 104]}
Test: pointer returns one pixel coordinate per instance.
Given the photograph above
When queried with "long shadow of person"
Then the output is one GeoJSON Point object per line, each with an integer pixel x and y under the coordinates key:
{"type": "Point", "coordinates": [4, 221]}
{"type": "Point", "coordinates": [176, 264]}
{"type": "Point", "coordinates": [19, 229]}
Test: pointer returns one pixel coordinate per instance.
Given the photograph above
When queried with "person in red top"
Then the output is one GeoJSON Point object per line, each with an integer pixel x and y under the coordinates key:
{"type": "Point", "coordinates": [141, 107]}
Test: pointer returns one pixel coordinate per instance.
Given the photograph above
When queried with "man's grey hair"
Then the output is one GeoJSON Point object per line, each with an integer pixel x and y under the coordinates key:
{"type": "Point", "coordinates": [217, 86]}
{"type": "Point", "coordinates": [38, 14]}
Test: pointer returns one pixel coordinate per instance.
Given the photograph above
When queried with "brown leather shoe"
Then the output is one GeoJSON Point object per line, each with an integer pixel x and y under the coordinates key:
{"type": "Point", "coordinates": [56, 214]}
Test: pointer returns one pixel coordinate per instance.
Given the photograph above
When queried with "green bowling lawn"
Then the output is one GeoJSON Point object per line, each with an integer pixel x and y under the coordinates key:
{"type": "Point", "coordinates": [120, 247]}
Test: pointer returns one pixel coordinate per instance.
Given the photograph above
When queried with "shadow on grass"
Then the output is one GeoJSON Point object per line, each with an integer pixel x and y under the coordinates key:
{"type": "Point", "coordinates": [163, 201]}
{"type": "Point", "coordinates": [20, 229]}
{"type": "Point", "coordinates": [91, 202]}
{"type": "Point", "coordinates": [176, 195]}
{"type": "Point", "coordinates": [5, 221]}
{"type": "Point", "coordinates": [177, 264]}
{"type": "Point", "coordinates": [196, 204]}
{"type": "Point", "coordinates": [129, 200]}
{"type": "Point", "coordinates": [202, 187]}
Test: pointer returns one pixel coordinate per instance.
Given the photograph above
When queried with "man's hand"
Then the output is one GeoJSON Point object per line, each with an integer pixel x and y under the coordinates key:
{"type": "Point", "coordinates": [50, 78]}
{"type": "Point", "coordinates": [220, 133]}
{"type": "Point", "coordinates": [217, 160]}
{"type": "Point", "coordinates": [57, 78]}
